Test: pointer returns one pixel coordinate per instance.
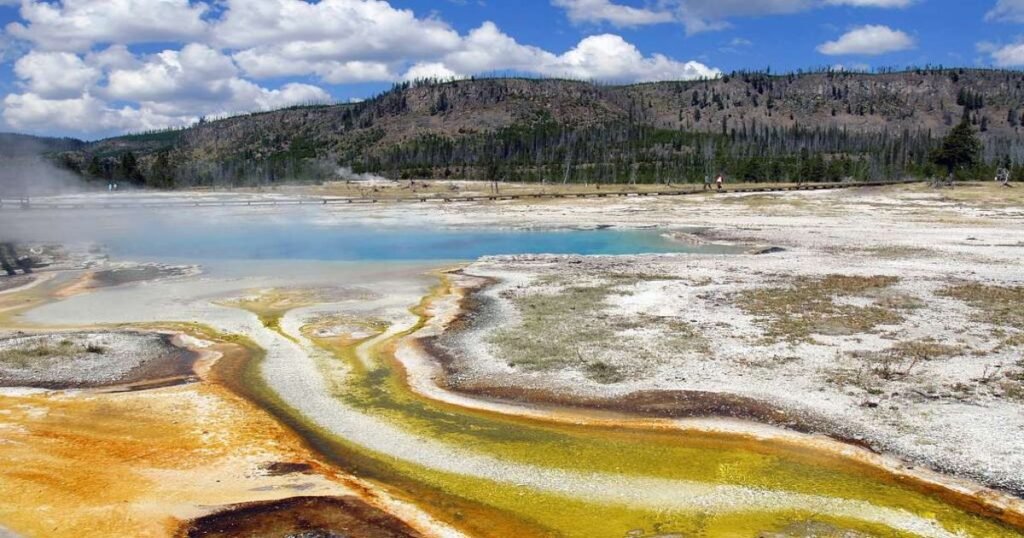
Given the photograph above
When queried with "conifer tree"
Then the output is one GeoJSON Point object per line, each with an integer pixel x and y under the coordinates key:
{"type": "Point", "coordinates": [960, 149]}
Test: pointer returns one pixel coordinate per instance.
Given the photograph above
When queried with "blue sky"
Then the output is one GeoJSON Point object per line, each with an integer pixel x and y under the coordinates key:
{"type": "Point", "coordinates": [92, 68]}
{"type": "Point", "coordinates": [946, 32]}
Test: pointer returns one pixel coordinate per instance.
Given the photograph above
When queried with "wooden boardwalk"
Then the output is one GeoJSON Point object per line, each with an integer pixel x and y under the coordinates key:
{"type": "Point", "coordinates": [130, 203]}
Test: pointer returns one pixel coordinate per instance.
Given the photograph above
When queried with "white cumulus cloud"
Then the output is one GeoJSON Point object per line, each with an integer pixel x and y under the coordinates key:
{"type": "Point", "coordinates": [67, 92]}
{"type": "Point", "coordinates": [1011, 55]}
{"type": "Point", "coordinates": [82, 115]}
{"type": "Point", "coordinates": [430, 70]}
{"type": "Point", "coordinates": [605, 57]}
{"type": "Point", "coordinates": [870, 40]}
{"type": "Point", "coordinates": [201, 80]}
{"type": "Point", "coordinates": [1007, 11]}
{"type": "Point", "coordinates": [616, 14]}
{"type": "Point", "coordinates": [701, 15]}
{"type": "Point", "coordinates": [610, 57]}
{"type": "Point", "coordinates": [55, 74]}
{"type": "Point", "coordinates": [78, 25]}
{"type": "Point", "coordinates": [353, 39]}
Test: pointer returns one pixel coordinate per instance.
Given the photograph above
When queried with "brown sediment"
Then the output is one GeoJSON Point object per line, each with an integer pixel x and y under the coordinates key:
{"type": "Point", "coordinates": [1004, 506]}
{"type": "Point", "coordinates": [82, 284]}
{"type": "Point", "coordinates": [664, 404]}
{"type": "Point", "coordinates": [300, 516]}
{"type": "Point", "coordinates": [281, 468]}
{"type": "Point", "coordinates": [152, 384]}
{"type": "Point", "coordinates": [655, 404]}
{"type": "Point", "coordinates": [141, 273]}
{"type": "Point", "coordinates": [175, 367]}
{"type": "Point", "coordinates": [118, 276]}
{"type": "Point", "coordinates": [647, 403]}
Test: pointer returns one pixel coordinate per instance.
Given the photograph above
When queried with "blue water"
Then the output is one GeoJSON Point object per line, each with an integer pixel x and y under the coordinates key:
{"type": "Point", "coordinates": [302, 241]}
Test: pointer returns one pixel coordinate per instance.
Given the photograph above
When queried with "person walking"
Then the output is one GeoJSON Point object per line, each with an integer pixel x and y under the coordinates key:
{"type": "Point", "coordinates": [719, 181]}
{"type": "Point", "coordinates": [707, 182]}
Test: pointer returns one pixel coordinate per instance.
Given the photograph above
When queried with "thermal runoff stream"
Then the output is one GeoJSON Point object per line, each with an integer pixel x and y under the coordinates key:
{"type": "Point", "coordinates": [335, 318]}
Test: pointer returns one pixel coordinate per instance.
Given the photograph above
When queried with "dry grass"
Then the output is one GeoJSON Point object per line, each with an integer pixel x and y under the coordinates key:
{"type": "Point", "coordinates": [759, 201]}
{"type": "Point", "coordinates": [998, 305]}
{"type": "Point", "coordinates": [925, 349]}
{"type": "Point", "coordinates": [1012, 383]}
{"type": "Point", "coordinates": [899, 252]}
{"type": "Point", "coordinates": [1014, 341]}
{"type": "Point", "coordinates": [898, 363]}
{"type": "Point", "coordinates": [414, 188]}
{"type": "Point", "coordinates": [986, 194]}
{"type": "Point", "coordinates": [897, 301]}
{"type": "Point", "coordinates": [553, 330]}
{"type": "Point", "coordinates": [25, 356]}
{"type": "Point", "coordinates": [808, 307]}
{"type": "Point", "coordinates": [902, 359]}
{"type": "Point", "coordinates": [391, 190]}
{"type": "Point", "coordinates": [571, 328]}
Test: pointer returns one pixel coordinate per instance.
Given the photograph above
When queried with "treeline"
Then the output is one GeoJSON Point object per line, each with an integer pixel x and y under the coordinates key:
{"type": "Point", "coordinates": [621, 153]}
{"type": "Point", "coordinates": [549, 152]}
{"type": "Point", "coordinates": [166, 170]}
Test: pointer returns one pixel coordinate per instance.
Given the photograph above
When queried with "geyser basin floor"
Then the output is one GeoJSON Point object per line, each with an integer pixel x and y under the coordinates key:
{"type": "Point", "coordinates": [567, 475]}
{"type": "Point", "coordinates": [475, 459]}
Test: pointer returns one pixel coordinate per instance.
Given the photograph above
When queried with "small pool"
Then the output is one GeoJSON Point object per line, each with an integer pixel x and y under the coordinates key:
{"type": "Point", "coordinates": [206, 234]}
{"type": "Point", "coordinates": [300, 241]}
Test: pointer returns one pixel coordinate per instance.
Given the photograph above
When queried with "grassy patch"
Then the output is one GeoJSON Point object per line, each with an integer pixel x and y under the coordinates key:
{"type": "Point", "coordinates": [1014, 341]}
{"type": "Point", "coordinates": [603, 372]}
{"type": "Point", "coordinates": [26, 356]}
{"type": "Point", "coordinates": [894, 364]}
{"type": "Point", "coordinates": [572, 329]}
{"type": "Point", "coordinates": [1012, 382]}
{"type": "Point", "coordinates": [985, 194]}
{"type": "Point", "coordinates": [998, 305]}
{"type": "Point", "coordinates": [897, 301]}
{"type": "Point", "coordinates": [1013, 390]}
{"type": "Point", "coordinates": [899, 252]}
{"type": "Point", "coordinates": [898, 362]}
{"type": "Point", "coordinates": [925, 349]}
{"type": "Point", "coordinates": [628, 279]}
{"type": "Point", "coordinates": [554, 327]}
{"type": "Point", "coordinates": [758, 201]}
{"type": "Point", "coordinates": [810, 306]}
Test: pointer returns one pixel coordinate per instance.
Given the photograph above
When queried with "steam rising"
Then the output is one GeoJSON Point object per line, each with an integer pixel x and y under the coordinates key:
{"type": "Point", "coordinates": [347, 174]}
{"type": "Point", "coordinates": [25, 172]}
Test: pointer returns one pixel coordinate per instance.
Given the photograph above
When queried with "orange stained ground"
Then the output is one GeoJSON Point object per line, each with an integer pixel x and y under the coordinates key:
{"type": "Point", "coordinates": [136, 464]}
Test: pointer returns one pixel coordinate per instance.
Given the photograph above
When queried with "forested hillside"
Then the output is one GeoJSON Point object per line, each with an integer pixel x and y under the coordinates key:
{"type": "Point", "coordinates": [18, 145]}
{"type": "Point", "coordinates": [752, 126]}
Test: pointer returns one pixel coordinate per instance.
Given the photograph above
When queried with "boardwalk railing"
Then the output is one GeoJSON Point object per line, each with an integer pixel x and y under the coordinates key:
{"type": "Point", "coordinates": [134, 203]}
